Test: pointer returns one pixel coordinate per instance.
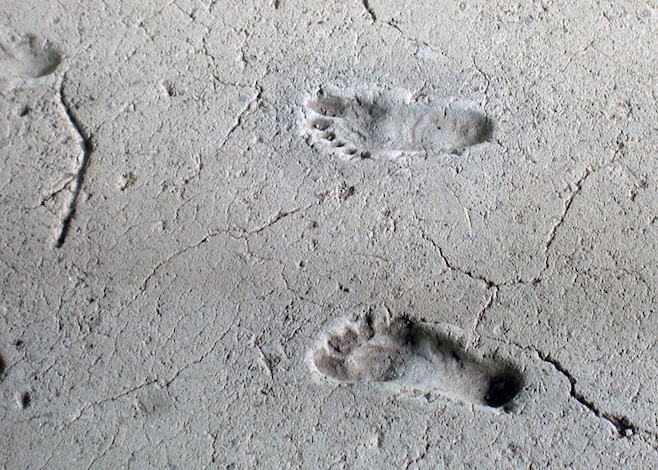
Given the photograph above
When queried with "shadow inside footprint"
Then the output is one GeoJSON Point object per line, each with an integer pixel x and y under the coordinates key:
{"type": "Point", "coordinates": [503, 388]}
{"type": "Point", "coordinates": [331, 106]}
{"type": "Point", "coordinates": [468, 127]}
{"type": "Point", "coordinates": [408, 354]}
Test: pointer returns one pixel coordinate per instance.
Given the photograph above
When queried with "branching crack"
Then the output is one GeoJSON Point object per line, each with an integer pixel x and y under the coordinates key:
{"type": "Point", "coordinates": [623, 426]}
{"type": "Point", "coordinates": [577, 187]}
{"type": "Point", "coordinates": [488, 282]}
{"type": "Point", "coordinates": [567, 204]}
{"type": "Point", "coordinates": [244, 234]}
{"type": "Point", "coordinates": [115, 397]}
{"type": "Point", "coordinates": [475, 336]}
{"type": "Point", "coordinates": [239, 119]}
{"type": "Point", "coordinates": [86, 147]}
{"type": "Point", "coordinates": [197, 361]}
{"type": "Point", "coordinates": [175, 255]}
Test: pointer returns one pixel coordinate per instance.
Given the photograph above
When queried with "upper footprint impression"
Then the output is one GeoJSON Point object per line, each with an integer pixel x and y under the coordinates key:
{"type": "Point", "coordinates": [26, 56]}
{"type": "Point", "coordinates": [390, 124]}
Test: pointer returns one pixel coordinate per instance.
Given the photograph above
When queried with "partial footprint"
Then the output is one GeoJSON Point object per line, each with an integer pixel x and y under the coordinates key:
{"type": "Point", "coordinates": [390, 124]}
{"type": "Point", "coordinates": [25, 56]}
{"type": "Point", "coordinates": [408, 355]}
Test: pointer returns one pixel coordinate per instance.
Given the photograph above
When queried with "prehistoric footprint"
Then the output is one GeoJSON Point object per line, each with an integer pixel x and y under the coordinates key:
{"type": "Point", "coordinates": [390, 124]}
{"type": "Point", "coordinates": [408, 355]}
{"type": "Point", "coordinates": [24, 56]}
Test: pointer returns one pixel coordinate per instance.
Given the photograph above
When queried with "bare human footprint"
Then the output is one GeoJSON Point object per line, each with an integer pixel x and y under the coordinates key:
{"type": "Point", "coordinates": [390, 124]}
{"type": "Point", "coordinates": [25, 56]}
{"type": "Point", "coordinates": [405, 354]}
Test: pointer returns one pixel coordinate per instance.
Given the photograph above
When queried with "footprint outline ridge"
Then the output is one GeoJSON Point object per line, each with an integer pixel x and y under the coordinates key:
{"type": "Point", "coordinates": [403, 354]}
{"type": "Point", "coordinates": [391, 124]}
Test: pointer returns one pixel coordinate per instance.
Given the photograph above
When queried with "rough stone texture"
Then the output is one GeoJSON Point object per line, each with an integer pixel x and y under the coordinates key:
{"type": "Point", "coordinates": [172, 246]}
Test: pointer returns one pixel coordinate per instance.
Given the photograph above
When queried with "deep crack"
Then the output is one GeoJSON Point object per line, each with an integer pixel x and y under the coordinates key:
{"type": "Point", "coordinates": [371, 12]}
{"type": "Point", "coordinates": [622, 424]}
{"type": "Point", "coordinates": [87, 148]}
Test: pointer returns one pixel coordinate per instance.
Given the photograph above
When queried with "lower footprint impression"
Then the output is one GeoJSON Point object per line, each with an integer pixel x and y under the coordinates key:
{"type": "Point", "coordinates": [390, 124]}
{"type": "Point", "coordinates": [407, 354]}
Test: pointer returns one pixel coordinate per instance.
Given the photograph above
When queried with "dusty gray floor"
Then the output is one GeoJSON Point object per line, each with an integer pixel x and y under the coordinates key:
{"type": "Point", "coordinates": [172, 245]}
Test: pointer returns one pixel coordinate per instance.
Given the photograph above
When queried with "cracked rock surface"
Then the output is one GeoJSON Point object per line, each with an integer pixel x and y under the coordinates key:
{"type": "Point", "coordinates": [172, 246]}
